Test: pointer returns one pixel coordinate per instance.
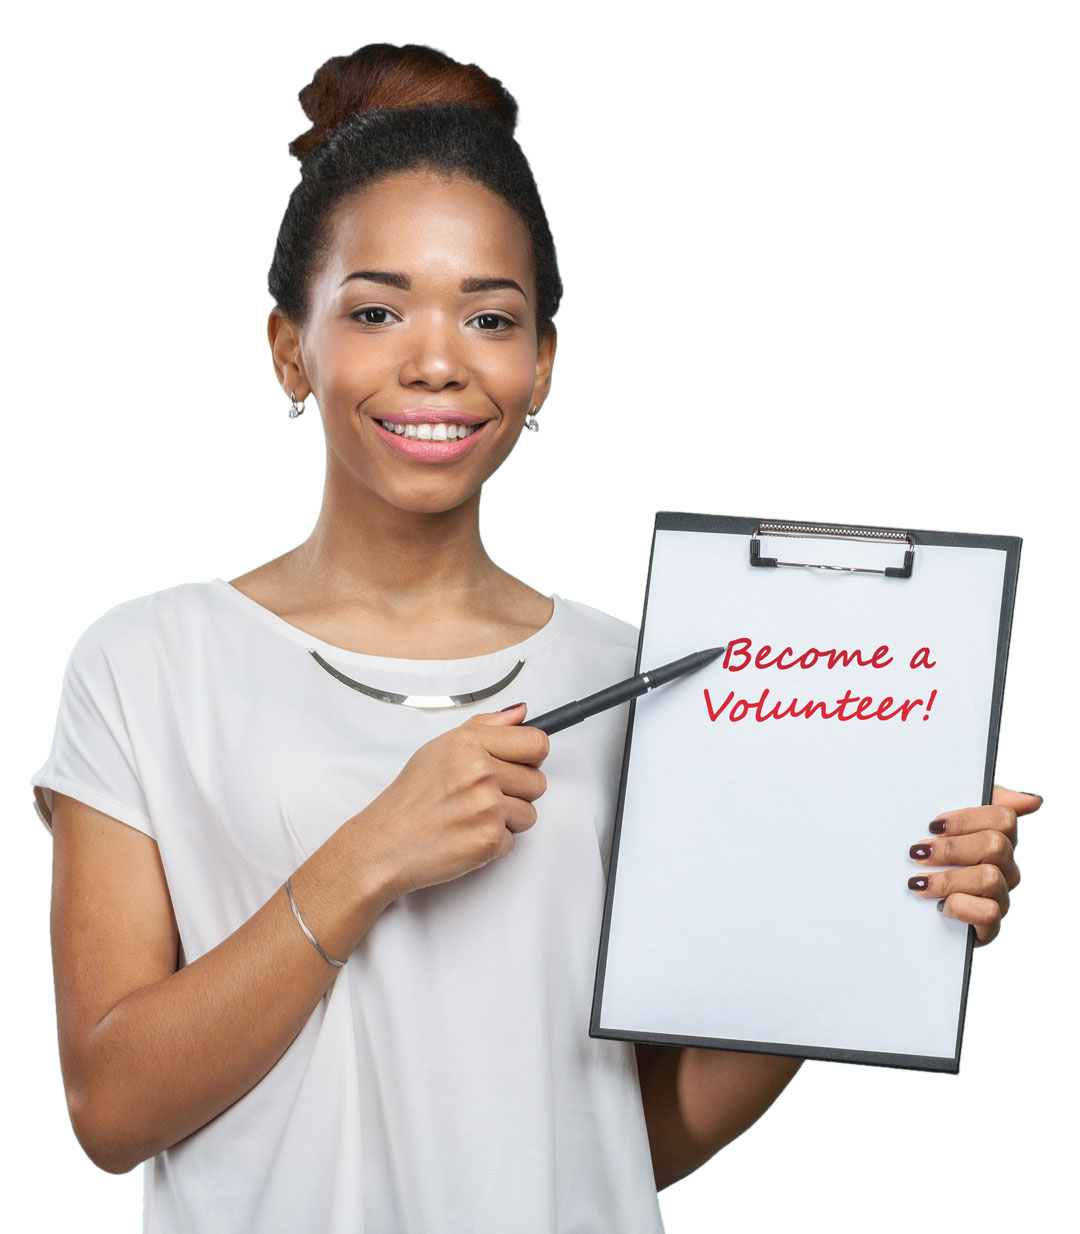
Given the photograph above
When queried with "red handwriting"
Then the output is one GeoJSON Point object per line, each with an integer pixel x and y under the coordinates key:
{"type": "Point", "coordinates": [739, 649]}
{"type": "Point", "coordinates": [861, 708]}
{"type": "Point", "coordinates": [740, 655]}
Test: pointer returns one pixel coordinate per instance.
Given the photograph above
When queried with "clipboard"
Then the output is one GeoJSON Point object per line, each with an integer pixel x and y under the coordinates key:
{"type": "Point", "coordinates": [757, 893]}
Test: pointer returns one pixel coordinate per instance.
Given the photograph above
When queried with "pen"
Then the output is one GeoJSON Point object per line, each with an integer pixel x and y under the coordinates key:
{"type": "Point", "coordinates": [612, 696]}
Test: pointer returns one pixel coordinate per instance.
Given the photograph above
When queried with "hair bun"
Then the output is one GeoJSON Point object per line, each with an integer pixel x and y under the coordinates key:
{"type": "Point", "coordinates": [384, 75]}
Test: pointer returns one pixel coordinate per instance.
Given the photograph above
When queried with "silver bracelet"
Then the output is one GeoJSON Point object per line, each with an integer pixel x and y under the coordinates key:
{"type": "Point", "coordinates": [296, 914]}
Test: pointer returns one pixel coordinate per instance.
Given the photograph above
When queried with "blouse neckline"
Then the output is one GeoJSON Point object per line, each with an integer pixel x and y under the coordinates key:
{"type": "Point", "coordinates": [397, 664]}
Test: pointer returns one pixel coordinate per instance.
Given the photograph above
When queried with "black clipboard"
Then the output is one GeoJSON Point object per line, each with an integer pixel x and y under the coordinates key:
{"type": "Point", "coordinates": [747, 553]}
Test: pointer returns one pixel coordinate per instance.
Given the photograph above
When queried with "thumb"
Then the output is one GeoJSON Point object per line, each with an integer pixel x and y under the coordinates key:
{"type": "Point", "coordinates": [1022, 803]}
{"type": "Point", "coordinates": [513, 714]}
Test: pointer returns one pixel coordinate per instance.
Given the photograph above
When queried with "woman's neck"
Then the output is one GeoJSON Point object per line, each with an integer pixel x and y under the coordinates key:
{"type": "Point", "coordinates": [397, 559]}
{"type": "Point", "coordinates": [399, 583]}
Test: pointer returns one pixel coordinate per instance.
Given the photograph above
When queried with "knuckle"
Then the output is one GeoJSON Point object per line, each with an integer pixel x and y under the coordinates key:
{"type": "Point", "coordinates": [473, 765]}
{"type": "Point", "coordinates": [991, 880]}
{"type": "Point", "coordinates": [989, 911]}
{"type": "Point", "coordinates": [954, 880]}
{"type": "Point", "coordinates": [997, 844]}
{"type": "Point", "coordinates": [486, 797]}
{"type": "Point", "coordinates": [495, 840]}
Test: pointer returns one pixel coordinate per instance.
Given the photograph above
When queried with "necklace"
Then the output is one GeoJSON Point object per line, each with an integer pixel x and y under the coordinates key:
{"type": "Point", "coordinates": [419, 700]}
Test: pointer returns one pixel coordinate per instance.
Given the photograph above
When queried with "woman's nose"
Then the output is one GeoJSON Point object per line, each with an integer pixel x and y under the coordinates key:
{"type": "Point", "coordinates": [434, 354]}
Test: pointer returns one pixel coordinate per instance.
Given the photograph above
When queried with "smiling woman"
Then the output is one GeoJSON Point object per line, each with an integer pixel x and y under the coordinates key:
{"type": "Point", "coordinates": [324, 933]}
{"type": "Point", "coordinates": [396, 334]}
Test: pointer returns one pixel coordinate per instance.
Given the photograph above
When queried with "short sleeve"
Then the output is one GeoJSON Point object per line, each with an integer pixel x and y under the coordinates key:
{"type": "Point", "coordinates": [92, 756]}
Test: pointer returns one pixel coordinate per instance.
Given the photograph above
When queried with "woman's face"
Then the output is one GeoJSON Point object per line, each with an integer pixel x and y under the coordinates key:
{"type": "Point", "coordinates": [423, 310]}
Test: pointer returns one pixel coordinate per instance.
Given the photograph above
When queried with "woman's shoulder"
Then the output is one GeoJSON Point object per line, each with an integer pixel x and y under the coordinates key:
{"type": "Point", "coordinates": [592, 625]}
{"type": "Point", "coordinates": [130, 625]}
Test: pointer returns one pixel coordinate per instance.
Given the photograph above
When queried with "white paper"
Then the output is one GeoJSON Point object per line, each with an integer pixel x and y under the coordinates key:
{"type": "Point", "coordinates": [760, 892]}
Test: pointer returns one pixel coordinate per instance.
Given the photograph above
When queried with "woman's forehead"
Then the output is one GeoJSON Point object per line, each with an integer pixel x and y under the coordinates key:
{"type": "Point", "coordinates": [428, 227]}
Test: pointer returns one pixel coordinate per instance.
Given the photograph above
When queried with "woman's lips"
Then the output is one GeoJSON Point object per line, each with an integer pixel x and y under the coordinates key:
{"type": "Point", "coordinates": [430, 451]}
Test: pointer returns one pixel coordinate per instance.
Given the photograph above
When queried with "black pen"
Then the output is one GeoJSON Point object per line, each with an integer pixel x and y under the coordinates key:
{"type": "Point", "coordinates": [612, 696]}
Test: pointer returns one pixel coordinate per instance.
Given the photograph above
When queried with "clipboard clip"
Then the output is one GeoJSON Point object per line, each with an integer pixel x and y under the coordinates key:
{"type": "Point", "coordinates": [808, 531]}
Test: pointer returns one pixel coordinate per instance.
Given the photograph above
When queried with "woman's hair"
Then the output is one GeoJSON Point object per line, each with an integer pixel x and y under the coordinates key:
{"type": "Point", "coordinates": [388, 109]}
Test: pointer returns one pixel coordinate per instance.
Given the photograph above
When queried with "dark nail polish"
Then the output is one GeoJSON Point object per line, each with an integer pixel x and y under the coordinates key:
{"type": "Point", "coordinates": [512, 706]}
{"type": "Point", "coordinates": [918, 884]}
{"type": "Point", "coordinates": [921, 851]}
{"type": "Point", "coordinates": [941, 906]}
{"type": "Point", "coordinates": [938, 827]}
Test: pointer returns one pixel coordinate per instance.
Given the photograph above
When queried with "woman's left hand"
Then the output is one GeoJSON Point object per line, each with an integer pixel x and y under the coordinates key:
{"type": "Point", "coordinates": [980, 840]}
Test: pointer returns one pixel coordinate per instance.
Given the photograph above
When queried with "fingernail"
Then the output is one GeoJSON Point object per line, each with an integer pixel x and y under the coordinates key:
{"type": "Point", "coordinates": [918, 884]}
{"type": "Point", "coordinates": [938, 826]}
{"type": "Point", "coordinates": [941, 906]}
{"type": "Point", "coordinates": [921, 851]}
{"type": "Point", "coordinates": [1028, 794]}
{"type": "Point", "coordinates": [512, 706]}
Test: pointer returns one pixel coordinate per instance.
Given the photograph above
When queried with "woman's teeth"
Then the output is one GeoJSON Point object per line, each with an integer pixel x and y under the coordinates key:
{"type": "Point", "coordinates": [431, 432]}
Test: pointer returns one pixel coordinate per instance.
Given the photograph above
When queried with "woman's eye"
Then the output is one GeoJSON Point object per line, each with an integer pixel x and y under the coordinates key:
{"type": "Point", "coordinates": [361, 315]}
{"type": "Point", "coordinates": [494, 317]}
{"type": "Point", "coordinates": [489, 323]}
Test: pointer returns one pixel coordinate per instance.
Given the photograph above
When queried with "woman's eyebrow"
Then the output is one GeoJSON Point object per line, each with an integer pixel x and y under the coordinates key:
{"type": "Point", "coordinates": [403, 283]}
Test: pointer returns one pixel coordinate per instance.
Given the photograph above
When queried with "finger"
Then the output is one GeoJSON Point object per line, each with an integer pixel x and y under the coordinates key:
{"type": "Point", "coordinates": [1021, 803]}
{"type": "Point", "coordinates": [984, 914]}
{"type": "Point", "coordinates": [987, 881]}
{"type": "Point", "coordinates": [519, 815]}
{"type": "Point", "coordinates": [512, 714]}
{"type": "Point", "coordinates": [988, 847]}
{"type": "Point", "coordinates": [974, 819]}
{"type": "Point", "coordinates": [520, 780]}
{"type": "Point", "coordinates": [518, 743]}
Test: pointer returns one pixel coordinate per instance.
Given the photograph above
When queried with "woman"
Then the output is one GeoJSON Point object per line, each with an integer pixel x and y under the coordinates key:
{"type": "Point", "coordinates": [314, 963]}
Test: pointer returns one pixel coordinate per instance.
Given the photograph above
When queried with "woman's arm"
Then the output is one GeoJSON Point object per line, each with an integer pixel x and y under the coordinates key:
{"type": "Point", "coordinates": [698, 1101]}
{"type": "Point", "coordinates": [150, 1054]}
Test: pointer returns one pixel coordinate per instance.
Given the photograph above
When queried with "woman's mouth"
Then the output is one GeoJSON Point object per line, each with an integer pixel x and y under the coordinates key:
{"type": "Point", "coordinates": [430, 443]}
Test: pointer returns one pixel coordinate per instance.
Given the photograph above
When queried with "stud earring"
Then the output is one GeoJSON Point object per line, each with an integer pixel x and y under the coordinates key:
{"type": "Point", "coordinates": [531, 421]}
{"type": "Point", "coordinates": [296, 410]}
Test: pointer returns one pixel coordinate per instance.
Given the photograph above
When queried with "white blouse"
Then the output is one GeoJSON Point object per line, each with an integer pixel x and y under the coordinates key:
{"type": "Point", "coordinates": [446, 1082]}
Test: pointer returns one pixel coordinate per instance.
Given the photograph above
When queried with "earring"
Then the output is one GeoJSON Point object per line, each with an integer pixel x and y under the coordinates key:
{"type": "Point", "coordinates": [295, 410]}
{"type": "Point", "coordinates": [531, 421]}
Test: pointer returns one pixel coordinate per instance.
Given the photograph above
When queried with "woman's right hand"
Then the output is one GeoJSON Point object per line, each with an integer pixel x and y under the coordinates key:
{"type": "Point", "coordinates": [457, 803]}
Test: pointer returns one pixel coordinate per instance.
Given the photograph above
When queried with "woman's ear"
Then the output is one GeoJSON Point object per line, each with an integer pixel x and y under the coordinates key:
{"type": "Point", "coordinates": [284, 336]}
{"type": "Point", "coordinates": [545, 358]}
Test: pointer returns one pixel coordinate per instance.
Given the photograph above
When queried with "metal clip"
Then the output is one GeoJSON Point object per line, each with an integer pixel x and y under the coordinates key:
{"type": "Point", "coordinates": [807, 531]}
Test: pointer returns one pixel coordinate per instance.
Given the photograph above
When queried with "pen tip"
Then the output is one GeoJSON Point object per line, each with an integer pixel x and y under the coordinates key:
{"type": "Point", "coordinates": [711, 654]}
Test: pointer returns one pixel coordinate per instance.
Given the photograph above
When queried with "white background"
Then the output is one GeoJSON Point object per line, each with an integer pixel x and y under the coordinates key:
{"type": "Point", "coordinates": [821, 263]}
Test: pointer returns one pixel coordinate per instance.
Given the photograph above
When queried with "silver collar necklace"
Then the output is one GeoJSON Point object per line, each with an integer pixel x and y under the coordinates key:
{"type": "Point", "coordinates": [420, 700]}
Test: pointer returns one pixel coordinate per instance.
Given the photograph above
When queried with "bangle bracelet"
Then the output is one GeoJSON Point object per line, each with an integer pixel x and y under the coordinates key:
{"type": "Point", "coordinates": [296, 914]}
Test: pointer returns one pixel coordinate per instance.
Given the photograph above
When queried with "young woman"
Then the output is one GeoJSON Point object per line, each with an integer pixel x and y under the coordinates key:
{"type": "Point", "coordinates": [325, 907]}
